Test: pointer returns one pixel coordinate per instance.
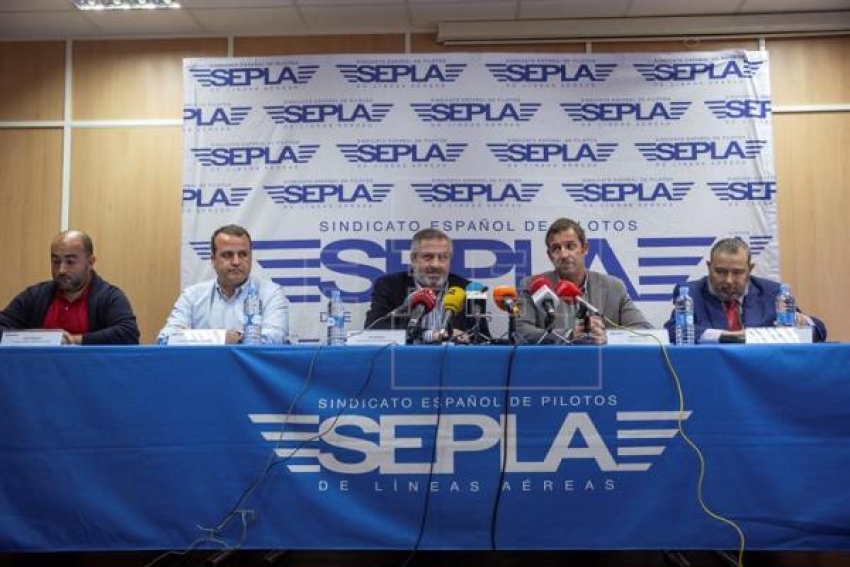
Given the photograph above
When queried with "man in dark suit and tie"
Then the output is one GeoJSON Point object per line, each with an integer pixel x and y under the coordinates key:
{"type": "Point", "coordinates": [430, 258]}
{"type": "Point", "coordinates": [729, 298]}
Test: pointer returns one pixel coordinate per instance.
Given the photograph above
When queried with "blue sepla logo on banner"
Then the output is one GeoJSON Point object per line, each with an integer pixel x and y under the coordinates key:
{"type": "Point", "coordinates": [324, 193]}
{"type": "Point", "coordinates": [713, 71]}
{"type": "Point", "coordinates": [744, 190]}
{"type": "Point", "coordinates": [204, 198]}
{"type": "Point", "coordinates": [475, 111]}
{"type": "Point", "coordinates": [641, 192]}
{"type": "Point", "coordinates": [254, 76]}
{"type": "Point", "coordinates": [329, 112]}
{"type": "Point", "coordinates": [395, 73]}
{"type": "Point", "coordinates": [618, 111]}
{"type": "Point", "coordinates": [254, 155]}
{"type": "Point", "coordinates": [546, 152]}
{"type": "Point", "coordinates": [468, 192]}
{"type": "Point", "coordinates": [706, 149]}
{"type": "Point", "coordinates": [555, 73]}
{"type": "Point", "coordinates": [739, 108]}
{"type": "Point", "coordinates": [216, 116]}
{"type": "Point", "coordinates": [393, 153]}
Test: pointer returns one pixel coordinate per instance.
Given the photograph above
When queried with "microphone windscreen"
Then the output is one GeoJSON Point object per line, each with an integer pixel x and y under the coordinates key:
{"type": "Point", "coordinates": [503, 292]}
{"type": "Point", "coordinates": [567, 290]}
{"type": "Point", "coordinates": [537, 283]}
{"type": "Point", "coordinates": [453, 299]}
{"type": "Point", "coordinates": [475, 286]}
{"type": "Point", "coordinates": [424, 297]}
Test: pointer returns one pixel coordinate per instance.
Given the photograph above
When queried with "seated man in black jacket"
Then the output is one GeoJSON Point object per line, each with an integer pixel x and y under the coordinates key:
{"type": "Point", "coordinates": [88, 309]}
{"type": "Point", "coordinates": [430, 257]}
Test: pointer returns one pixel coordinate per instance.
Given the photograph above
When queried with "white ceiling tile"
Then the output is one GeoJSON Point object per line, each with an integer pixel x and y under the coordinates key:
{"type": "Point", "coordinates": [35, 5]}
{"type": "Point", "coordinates": [355, 18]}
{"type": "Point", "coordinates": [764, 6]}
{"type": "Point", "coordinates": [552, 9]}
{"type": "Point", "coordinates": [431, 13]}
{"type": "Point", "coordinates": [144, 22]}
{"type": "Point", "coordinates": [38, 25]}
{"type": "Point", "coordinates": [192, 4]}
{"type": "Point", "coordinates": [271, 21]}
{"type": "Point", "coordinates": [363, 3]}
{"type": "Point", "coordinates": [680, 8]}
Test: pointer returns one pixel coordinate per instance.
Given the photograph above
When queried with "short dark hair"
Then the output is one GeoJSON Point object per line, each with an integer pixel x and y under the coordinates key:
{"type": "Point", "coordinates": [428, 234]}
{"type": "Point", "coordinates": [731, 246]}
{"type": "Point", "coordinates": [230, 230]}
{"type": "Point", "coordinates": [562, 225]}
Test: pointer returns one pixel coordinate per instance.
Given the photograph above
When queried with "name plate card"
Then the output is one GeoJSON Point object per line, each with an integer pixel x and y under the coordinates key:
{"type": "Point", "coordinates": [197, 337]}
{"type": "Point", "coordinates": [645, 337]}
{"type": "Point", "coordinates": [377, 337]}
{"type": "Point", "coordinates": [32, 337]}
{"type": "Point", "coordinates": [778, 335]}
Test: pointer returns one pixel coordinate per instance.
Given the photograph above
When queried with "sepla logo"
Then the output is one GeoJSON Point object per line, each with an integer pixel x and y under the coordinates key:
{"type": "Point", "coordinates": [543, 152]}
{"type": "Point", "coordinates": [394, 73]}
{"type": "Point", "coordinates": [621, 192]}
{"type": "Point", "coordinates": [744, 190]}
{"type": "Point", "coordinates": [335, 112]}
{"type": "Point", "coordinates": [551, 72]}
{"type": "Point", "coordinates": [254, 76]}
{"type": "Point", "coordinates": [323, 193]}
{"type": "Point", "coordinates": [323, 265]}
{"type": "Point", "coordinates": [736, 108]}
{"type": "Point", "coordinates": [362, 444]}
{"type": "Point", "coordinates": [475, 111]}
{"type": "Point", "coordinates": [619, 111]}
{"type": "Point", "coordinates": [423, 153]}
{"type": "Point", "coordinates": [732, 69]}
{"type": "Point", "coordinates": [249, 156]}
{"type": "Point", "coordinates": [466, 192]}
{"type": "Point", "coordinates": [218, 197]}
{"type": "Point", "coordinates": [693, 151]}
{"type": "Point", "coordinates": [216, 116]}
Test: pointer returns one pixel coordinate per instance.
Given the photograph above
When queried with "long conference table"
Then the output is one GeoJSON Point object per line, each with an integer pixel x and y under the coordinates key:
{"type": "Point", "coordinates": [438, 448]}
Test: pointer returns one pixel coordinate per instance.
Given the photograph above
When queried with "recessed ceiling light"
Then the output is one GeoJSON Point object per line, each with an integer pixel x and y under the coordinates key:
{"type": "Point", "coordinates": [126, 4]}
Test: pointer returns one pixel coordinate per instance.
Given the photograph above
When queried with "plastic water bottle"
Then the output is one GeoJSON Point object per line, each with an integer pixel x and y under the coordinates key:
{"type": "Point", "coordinates": [786, 307]}
{"type": "Point", "coordinates": [336, 319]}
{"type": "Point", "coordinates": [252, 332]}
{"type": "Point", "coordinates": [684, 316]}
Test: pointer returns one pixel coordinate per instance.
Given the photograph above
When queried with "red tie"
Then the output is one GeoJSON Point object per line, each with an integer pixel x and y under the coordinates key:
{"type": "Point", "coordinates": [733, 318]}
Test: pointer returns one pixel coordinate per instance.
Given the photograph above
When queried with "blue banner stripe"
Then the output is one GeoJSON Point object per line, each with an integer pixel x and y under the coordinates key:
{"type": "Point", "coordinates": [670, 261]}
{"type": "Point", "coordinates": [677, 242]}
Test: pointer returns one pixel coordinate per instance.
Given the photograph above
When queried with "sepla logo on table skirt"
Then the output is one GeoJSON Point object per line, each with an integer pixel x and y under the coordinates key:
{"type": "Point", "coordinates": [347, 445]}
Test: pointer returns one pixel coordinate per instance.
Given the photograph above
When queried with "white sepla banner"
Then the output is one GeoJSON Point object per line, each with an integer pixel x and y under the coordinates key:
{"type": "Point", "coordinates": [334, 162]}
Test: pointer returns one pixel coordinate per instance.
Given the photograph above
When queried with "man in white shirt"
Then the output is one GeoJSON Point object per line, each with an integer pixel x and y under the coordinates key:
{"type": "Point", "coordinates": [218, 303]}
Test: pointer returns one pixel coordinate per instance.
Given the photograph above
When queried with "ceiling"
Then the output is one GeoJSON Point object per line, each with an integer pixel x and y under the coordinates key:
{"type": "Point", "coordinates": [53, 19]}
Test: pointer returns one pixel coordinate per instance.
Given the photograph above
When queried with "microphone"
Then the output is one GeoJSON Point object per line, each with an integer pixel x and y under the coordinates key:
{"type": "Point", "coordinates": [422, 301]}
{"type": "Point", "coordinates": [544, 297]}
{"type": "Point", "coordinates": [570, 292]}
{"type": "Point", "coordinates": [476, 299]}
{"type": "Point", "coordinates": [452, 303]}
{"type": "Point", "coordinates": [505, 297]}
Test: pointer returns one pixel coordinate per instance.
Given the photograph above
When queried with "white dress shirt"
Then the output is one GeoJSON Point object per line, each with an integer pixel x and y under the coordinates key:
{"type": "Point", "coordinates": [204, 306]}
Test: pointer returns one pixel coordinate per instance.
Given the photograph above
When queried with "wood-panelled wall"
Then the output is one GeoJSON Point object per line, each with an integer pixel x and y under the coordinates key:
{"type": "Point", "coordinates": [124, 185]}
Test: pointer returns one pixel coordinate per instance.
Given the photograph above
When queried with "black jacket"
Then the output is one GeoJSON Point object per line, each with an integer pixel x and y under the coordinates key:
{"type": "Point", "coordinates": [111, 319]}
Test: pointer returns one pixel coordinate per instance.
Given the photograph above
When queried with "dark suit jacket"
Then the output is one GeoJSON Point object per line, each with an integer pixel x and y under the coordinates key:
{"type": "Point", "coordinates": [391, 290]}
{"type": "Point", "coordinates": [758, 308]}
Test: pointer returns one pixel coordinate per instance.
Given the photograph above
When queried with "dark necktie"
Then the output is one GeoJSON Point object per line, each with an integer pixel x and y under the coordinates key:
{"type": "Point", "coordinates": [733, 317]}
